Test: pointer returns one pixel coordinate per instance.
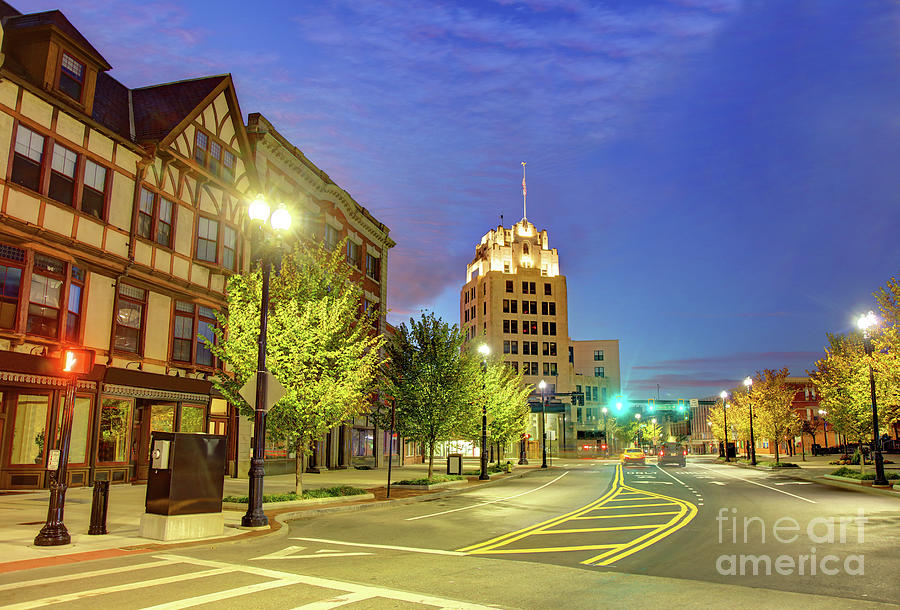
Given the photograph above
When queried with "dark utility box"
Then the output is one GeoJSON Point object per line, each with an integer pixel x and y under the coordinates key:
{"type": "Point", "coordinates": [187, 473]}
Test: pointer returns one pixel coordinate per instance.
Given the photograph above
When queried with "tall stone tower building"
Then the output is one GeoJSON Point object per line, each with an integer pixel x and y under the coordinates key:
{"type": "Point", "coordinates": [516, 301]}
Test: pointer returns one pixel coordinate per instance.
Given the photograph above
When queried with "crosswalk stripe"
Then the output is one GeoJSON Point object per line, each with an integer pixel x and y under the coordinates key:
{"type": "Point", "coordinates": [55, 579]}
{"type": "Point", "coordinates": [220, 595]}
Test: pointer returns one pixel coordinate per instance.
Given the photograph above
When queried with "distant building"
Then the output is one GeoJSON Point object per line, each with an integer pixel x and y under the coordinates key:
{"type": "Point", "coordinates": [515, 299]}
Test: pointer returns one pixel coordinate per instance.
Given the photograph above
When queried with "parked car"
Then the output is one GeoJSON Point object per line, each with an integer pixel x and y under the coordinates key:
{"type": "Point", "coordinates": [672, 453]}
{"type": "Point", "coordinates": [634, 455]}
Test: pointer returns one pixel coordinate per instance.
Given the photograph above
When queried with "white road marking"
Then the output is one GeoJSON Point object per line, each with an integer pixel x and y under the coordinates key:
{"type": "Point", "coordinates": [327, 583]}
{"type": "Point", "coordinates": [334, 602]}
{"type": "Point", "coordinates": [795, 483]}
{"type": "Point", "coordinates": [92, 574]}
{"type": "Point", "coordinates": [220, 595]}
{"type": "Point", "coordinates": [781, 491]}
{"type": "Point", "coordinates": [453, 510]}
{"type": "Point", "coordinates": [717, 482]}
{"type": "Point", "coordinates": [389, 547]}
{"type": "Point", "coordinates": [291, 553]}
{"type": "Point", "coordinates": [155, 582]}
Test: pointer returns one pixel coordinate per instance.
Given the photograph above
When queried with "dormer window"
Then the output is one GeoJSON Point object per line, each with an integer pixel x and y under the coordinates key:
{"type": "Point", "coordinates": [71, 77]}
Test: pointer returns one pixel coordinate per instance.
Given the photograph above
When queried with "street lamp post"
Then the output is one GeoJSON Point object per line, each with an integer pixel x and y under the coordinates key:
{"type": "Point", "coordinates": [749, 383]}
{"type": "Point", "coordinates": [724, 395]}
{"type": "Point", "coordinates": [823, 413]}
{"type": "Point", "coordinates": [542, 385]}
{"type": "Point", "coordinates": [605, 431]}
{"type": "Point", "coordinates": [640, 437]}
{"type": "Point", "coordinates": [865, 323]}
{"type": "Point", "coordinates": [278, 221]}
{"type": "Point", "coordinates": [484, 350]}
{"type": "Point", "coordinates": [75, 363]}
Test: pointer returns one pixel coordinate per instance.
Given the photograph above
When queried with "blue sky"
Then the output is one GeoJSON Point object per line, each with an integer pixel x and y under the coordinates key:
{"type": "Point", "coordinates": [718, 175]}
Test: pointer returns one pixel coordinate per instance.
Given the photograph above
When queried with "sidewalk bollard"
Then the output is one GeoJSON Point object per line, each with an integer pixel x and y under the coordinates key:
{"type": "Point", "coordinates": [98, 508]}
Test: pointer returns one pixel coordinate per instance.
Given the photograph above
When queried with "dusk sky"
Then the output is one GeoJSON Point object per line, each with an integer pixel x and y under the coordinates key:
{"type": "Point", "coordinates": [720, 177]}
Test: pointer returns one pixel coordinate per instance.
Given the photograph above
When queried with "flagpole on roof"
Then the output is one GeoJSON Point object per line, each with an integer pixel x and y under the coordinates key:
{"type": "Point", "coordinates": [524, 193]}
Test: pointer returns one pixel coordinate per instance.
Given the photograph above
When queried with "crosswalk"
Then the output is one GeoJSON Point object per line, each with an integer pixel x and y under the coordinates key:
{"type": "Point", "coordinates": [212, 582]}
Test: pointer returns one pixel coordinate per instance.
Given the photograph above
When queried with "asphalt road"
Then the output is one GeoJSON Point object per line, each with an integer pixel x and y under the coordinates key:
{"type": "Point", "coordinates": [577, 536]}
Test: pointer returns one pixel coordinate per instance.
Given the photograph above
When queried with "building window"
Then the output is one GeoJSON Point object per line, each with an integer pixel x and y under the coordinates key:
{"type": "Point", "coordinates": [373, 267]}
{"type": "Point", "coordinates": [155, 217]}
{"type": "Point", "coordinates": [549, 348]}
{"type": "Point", "coordinates": [353, 252]}
{"type": "Point", "coordinates": [550, 368]}
{"type": "Point", "coordinates": [531, 368]}
{"type": "Point", "coordinates": [73, 313]}
{"type": "Point", "coordinates": [548, 289]}
{"type": "Point", "coordinates": [113, 441]}
{"type": "Point", "coordinates": [93, 194]}
{"type": "Point", "coordinates": [29, 438]}
{"type": "Point", "coordinates": [548, 328]}
{"type": "Point", "coordinates": [514, 365]}
{"type": "Point", "coordinates": [528, 288]}
{"type": "Point", "coordinates": [509, 285]}
{"type": "Point", "coordinates": [505, 305]}
{"type": "Point", "coordinates": [183, 332]}
{"type": "Point", "coordinates": [212, 155]}
{"type": "Point", "coordinates": [506, 267]}
{"type": "Point", "coordinates": [599, 371]}
{"type": "Point", "coordinates": [130, 318]}
{"type": "Point", "coordinates": [530, 348]}
{"type": "Point", "coordinates": [29, 153]}
{"type": "Point", "coordinates": [207, 239]}
{"type": "Point", "coordinates": [598, 355]}
{"type": "Point", "coordinates": [548, 308]}
{"type": "Point", "coordinates": [506, 347]}
{"type": "Point", "coordinates": [206, 324]}
{"type": "Point", "coordinates": [229, 247]}
{"type": "Point", "coordinates": [331, 237]}
{"type": "Point", "coordinates": [62, 174]}
{"type": "Point", "coordinates": [11, 267]}
{"type": "Point", "coordinates": [47, 278]}
{"type": "Point", "coordinates": [71, 76]}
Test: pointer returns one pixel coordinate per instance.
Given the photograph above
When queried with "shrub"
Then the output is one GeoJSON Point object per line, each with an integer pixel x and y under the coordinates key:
{"type": "Point", "coordinates": [328, 492]}
{"type": "Point", "coordinates": [438, 478]}
{"type": "Point", "coordinates": [855, 474]}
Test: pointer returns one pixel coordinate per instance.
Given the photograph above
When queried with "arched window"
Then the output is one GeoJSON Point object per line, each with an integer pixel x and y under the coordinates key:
{"type": "Point", "coordinates": [525, 248]}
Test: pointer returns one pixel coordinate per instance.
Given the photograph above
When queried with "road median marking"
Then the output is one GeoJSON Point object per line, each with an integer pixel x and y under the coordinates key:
{"type": "Point", "coordinates": [781, 491]}
{"type": "Point", "coordinates": [618, 492]}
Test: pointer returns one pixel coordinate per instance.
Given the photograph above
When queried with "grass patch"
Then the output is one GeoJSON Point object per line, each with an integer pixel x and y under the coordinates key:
{"type": "Point", "coordinates": [438, 478]}
{"type": "Point", "coordinates": [327, 492]}
{"type": "Point", "coordinates": [492, 469]}
{"type": "Point", "coordinates": [852, 473]}
{"type": "Point", "coordinates": [770, 464]}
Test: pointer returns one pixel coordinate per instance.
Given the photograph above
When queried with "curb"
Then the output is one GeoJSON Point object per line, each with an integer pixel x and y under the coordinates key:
{"type": "Point", "coordinates": [457, 483]}
{"type": "Point", "coordinates": [296, 503]}
{"type": "Point", "coordinates": [277, 519]}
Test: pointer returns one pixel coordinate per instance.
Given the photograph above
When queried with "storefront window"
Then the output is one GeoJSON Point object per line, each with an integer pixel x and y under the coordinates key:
{"type": "Point", "coordinates": [114, 414]}
{"type": "Point", "coordinates": [162, 418]}
{"type": "Point", "coordinates": [80, 420]}
{"type": "Point", "coordinates": [362, 444]}
{"type": "Point", "coordinates": [193, 418]}
{"type": "Point", "coordinates": [29, 434]}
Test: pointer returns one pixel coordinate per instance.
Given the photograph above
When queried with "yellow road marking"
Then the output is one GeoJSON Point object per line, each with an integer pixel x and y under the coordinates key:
{"type": "Point", "coordinates": [601, 529]}
{"type": "Point", "coordinates": [550, 549]}
{"type": "Point", "coordinates": [613, 552]}
{"type": "Point", "coordinates": [633, 506]}
{"type": "Point", "coordinates": [519, 534]}
{"type": "Point", "coordinates": [674, 512]}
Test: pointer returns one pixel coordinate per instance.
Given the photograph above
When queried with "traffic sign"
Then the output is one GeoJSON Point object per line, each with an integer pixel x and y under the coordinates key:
{"type": "Point", "coordinates": [695, 403]}
{"type": "Point", "coordinates": [274, 390]}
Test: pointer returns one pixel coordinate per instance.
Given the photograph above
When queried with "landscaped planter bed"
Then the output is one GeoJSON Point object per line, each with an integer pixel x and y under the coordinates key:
{"type": "Point", "coordinates": [295, 503]}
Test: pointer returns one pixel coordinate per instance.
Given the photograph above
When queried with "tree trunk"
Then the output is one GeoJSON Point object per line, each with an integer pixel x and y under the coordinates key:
{"type": "Point", "coordinates": [430, 460]}
{"type": "Point", "coordinates": [300, 456]}
{"type": "Point", "coordinates": [777, 443]}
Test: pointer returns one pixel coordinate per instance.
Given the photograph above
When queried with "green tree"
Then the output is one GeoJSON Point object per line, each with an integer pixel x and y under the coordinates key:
{"type": "Point", "coordinates": [506, 397]}
{"type": "Point", "coordinates": [652, 432]}
{"type": "Point", "coordinates": [772, 398]}
{"type": "Point", "coordinates": [319, 346]}
{"type": "Point", "coordinates": [434, 382]}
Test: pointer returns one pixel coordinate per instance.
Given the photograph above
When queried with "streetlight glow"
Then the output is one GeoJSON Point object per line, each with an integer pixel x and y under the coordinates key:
{"type": "Point", "coordinates": [605, 410]}
{"type": "Point", "coordinates": [723, 395]}
{"type": "Point", "coordinates": [748, 382]}
{"type": "Point", "coordinates": [281, 219]}
{"type": "Point", "coordinates": [484, 349]}
{"type": "Point", "coordinates": [541, 385]}
{"type": "Point", "coordinates": [258, 209]}
{"type": "Point", "coordinates": [637, 415]}
{"type": "Point", "coordinates": [867, 321]}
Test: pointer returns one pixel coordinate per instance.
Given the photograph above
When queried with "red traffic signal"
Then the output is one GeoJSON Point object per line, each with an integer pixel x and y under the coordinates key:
{"type": "Point", "coordinates": [603, 446]}
{"type": "Point", "coordinates": [526, 436]}
{"type": "Point", "coordinates": [77, 361]}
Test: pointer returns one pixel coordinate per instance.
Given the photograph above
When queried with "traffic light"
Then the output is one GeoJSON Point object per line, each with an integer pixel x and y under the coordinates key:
{"type": "Point", "coordinates": [77, 361]}
{"type": "Point", "coordinates": [681, 405]}
{"type": "Point", "coordinates": [651, 404]}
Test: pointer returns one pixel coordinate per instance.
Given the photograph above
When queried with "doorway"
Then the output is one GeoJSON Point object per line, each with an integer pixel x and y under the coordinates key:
{"type": "Point", "coordinates": [154, 417]}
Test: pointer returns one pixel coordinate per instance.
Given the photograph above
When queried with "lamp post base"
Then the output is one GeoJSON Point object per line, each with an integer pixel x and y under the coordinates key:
{"type": "Point", "coordinates": [880, 479]}
{"type": "Point", "coordinates": [54, 532]}
{"type": "Point", "coordinates": [255, 517]}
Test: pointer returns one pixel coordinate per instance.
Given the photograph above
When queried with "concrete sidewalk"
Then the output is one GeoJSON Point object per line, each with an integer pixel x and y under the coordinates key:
{"type": "Point", "coordinates": [23, 514]}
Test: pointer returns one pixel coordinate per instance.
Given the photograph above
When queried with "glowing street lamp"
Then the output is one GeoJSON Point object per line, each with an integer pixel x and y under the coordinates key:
{"type": "Point", "coordinates": [542, 385]}
{"type": "Point", "coordinates": [484, 350]}
{"type": "Point", "coordinates": [605, 430]}
{"type": "Point", "coordinates": [748, 383]}
{"type": "Point", "coordinates": [866, 323]}
{"type": "Point", "coordinates": [724, 395]}
{"type": "Point", "coordinates": [264, 221]}
{"type": "Point", "coordinates": [823, 413]}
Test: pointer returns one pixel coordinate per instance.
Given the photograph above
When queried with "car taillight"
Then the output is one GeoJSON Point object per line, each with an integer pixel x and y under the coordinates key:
{"type": "Point", "coordinates": [662, 452]}
{"type": "Point", "coordinates": [685, 453]}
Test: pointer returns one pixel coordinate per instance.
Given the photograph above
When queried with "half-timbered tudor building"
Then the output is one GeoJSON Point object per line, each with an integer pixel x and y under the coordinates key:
{"type": "Point", "coordinates": [325, 212]}
{"type": "Point", "coordinates": [120, 220]}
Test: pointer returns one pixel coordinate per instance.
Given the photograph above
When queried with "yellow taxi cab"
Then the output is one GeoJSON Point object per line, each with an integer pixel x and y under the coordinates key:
{"type": "Point", "coordinates": [634, 455]}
